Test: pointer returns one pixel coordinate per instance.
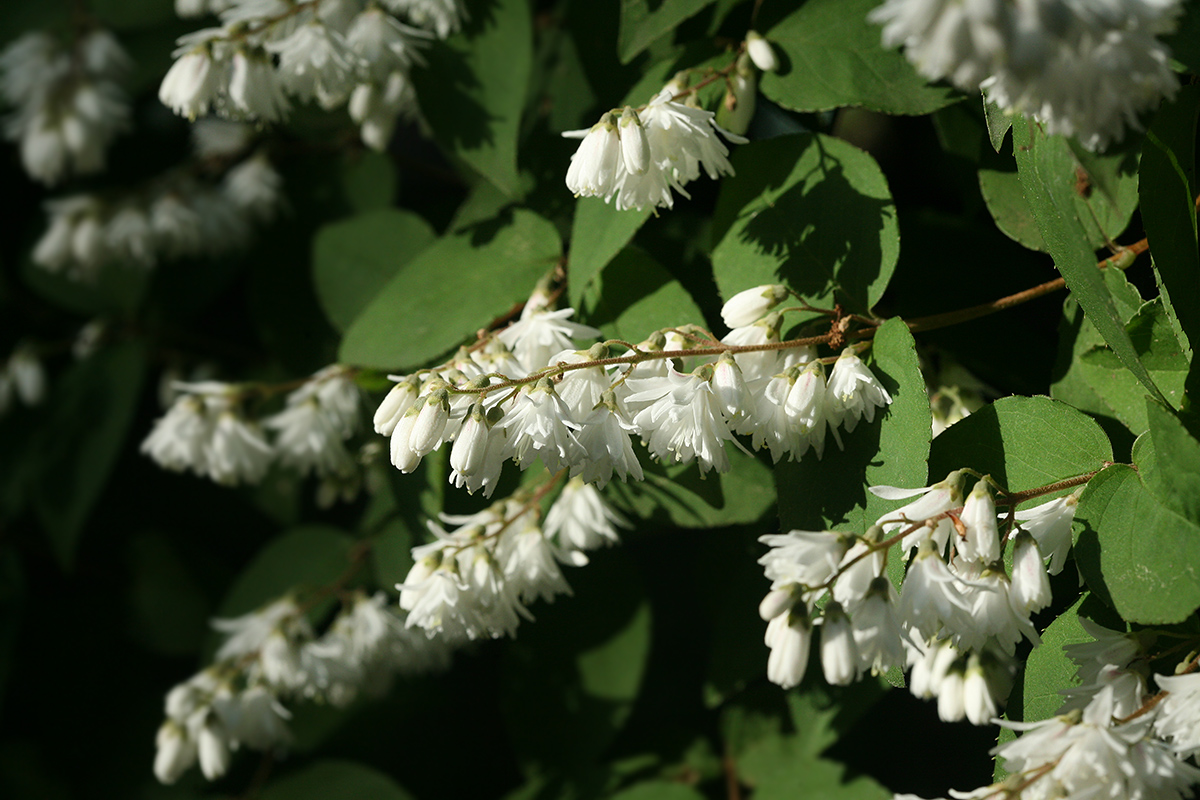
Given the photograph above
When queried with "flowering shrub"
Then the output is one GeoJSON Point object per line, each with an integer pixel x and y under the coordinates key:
{"type": "Point", "coordinates": [548, 380]}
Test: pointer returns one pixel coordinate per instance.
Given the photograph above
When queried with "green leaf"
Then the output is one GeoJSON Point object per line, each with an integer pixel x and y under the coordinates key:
{"type": "Point", "coordinates": [679, 495]}
{"type": "Point", "coordinates": [809, 211]}
{"type": "Point", "coordinates": [1005, 199]}
{"type": "Point", "coordinates": [1022, 442]}
{"type": "Point", "coordinates": [598, 233]}
{"type": "Point", "coordinates": [424, 310]}
{"type": "Point", "coordinates": [1168, 195]}
{"type": "Point", "coordinates": [570, 679]}
{"type": "Point", "coordinates": [369, 180]}
{"type": "Point", "coordinates": [634, 297]}
{"type": "Point", "coordinates": [1047, 169]}
{"type": "Point", "coordinates": [644, 21]}
{"type": "Point", "coordinates": [354, 259]}
{"type": "Point", "coordinates": [1154, 340]}
{"type": "Point", "coordinates": [833, 57]}
{"type": "Point", "coordinates": [92, 408]}
{"type": "Point", "coordinates": [473, 90]}
{"type": "Point", "coordinates": [1175, 478]}
{"type": "Point", "coordinates": [307, 557]}
{"type": "Point", "coordinates": [999, 123]}
{"type": "Point", "coordinates": [782, 766]}
{"type": "Point", "coordinates": [327, 779]}
{"type": "Point", "coordinates": [658, 790]}
{"type": "Point", "coordinates": [1140, 556]}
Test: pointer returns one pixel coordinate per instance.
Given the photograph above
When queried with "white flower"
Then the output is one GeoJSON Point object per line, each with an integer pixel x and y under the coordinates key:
{"type": "Point", "coordinates": [539, 424]}
{"type": "Point", "coordinates": [378, 107]}
{"type": "Point", "coordinates": [176, 752]}
{"type": "Point", "coordinates": [679, 419]}
{"type": "Point", "coordinates": [854, 392]}
{"type": "Point", "coordinates": [385, 43]}
{"type": "Point", "coordinates": [932, 502]}
{"type": "Point", "coordinates": [593, 170]}
{"type": "Point", "coordinates": [930, 597]}
{"type": "Point", "coordinates": [178, 439]}
{"type": "Point", "coordinates": [605, 438]}
{"type": "Point", "coordinates": [399, 399]}
{"type": "Point", "coordinates": [580, 520]}
{"type": "Point", "coordinates": [540, 333]}
{"type": "Point", "coordinates": [27, 375]}
{"type": "Point", "coordinates": [530, 563]}
{"type": "Point", "coordinates": [1178, 719]}
{"type": "Point", "coordinates": [254, 86]}
{"type": "Point", "coordinates": [1030, 584]}
{"type": "Point", "coordinates": [876, 630]}
{"type": "Point", "coordinates": [444, 17]}
{"type": "Point", "coordinates": [1050, 524]}
{"type": "Point", "coordinates": [236, 452]}
{"type": "Point", "coordinates": [808, 558]}
{"type": "Point", "coordinates": [213, 746]}
{"type": "Point", "coordinates": [249, 632]}
{"type": "Point", "coordinates": [859, 568]}
{"type": "Point", "coordinates": [191, 85]}
{"type": "Point", "coordinates": [316, 62]}
{"type": "Point", "coordinates": [254, 187]}
{"type": "Point", "coordinates": [260, 721]}
{"type": "Point", "coordinates": [635, 146]}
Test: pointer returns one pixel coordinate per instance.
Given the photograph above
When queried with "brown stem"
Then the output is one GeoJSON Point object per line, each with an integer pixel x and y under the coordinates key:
{"type": "Point", "coordinates": [934, 321]}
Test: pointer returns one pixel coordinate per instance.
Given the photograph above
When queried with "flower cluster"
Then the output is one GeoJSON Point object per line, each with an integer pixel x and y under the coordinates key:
{"type": "Point", "coordinates": [176, 216]}
{"type": "Point", "coordinates": [1082, 69]}
{"type": "Point", "coordinates": [272, 655]}
{"type": "Point", "coordinates": [69, 102]}
{"type": "Point", "coordinates": [22, 376]}
{"type": "Point", "coordinates": [205, 431]}
{"type": "Point", "coordinates": [639, 156]}
{"type": "Point", "coordinates": [956, 620]}
{"type": "Point", "coordinates": [476, 580]}
{"type": "Point", "coordinates": [527, 393]}
{"type": "Point", "coordinates": [336, 52]}
{"type": "Point", "coordinates": [1111, 738]}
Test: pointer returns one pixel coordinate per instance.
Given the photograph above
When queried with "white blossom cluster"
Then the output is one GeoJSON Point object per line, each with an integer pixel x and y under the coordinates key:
{"type": "Point", "coordinates": [639, 156]}
{"type": "Point", "coordinates": [272, 655]}
{"type": "Point", "coordinates": [68, 101]}
{"type": "Point", "coordinates": [177, 216]}
{"type": "Point", "coordinates": [22, 377]}
{"type": "Point", "coordinates": [1081, 68]}
{"type": "Point", "coordinates": [581, 419]}
{"type": "Point", "coordinates": [476, 580]}
{"type": "Point", "coordinates": [337, 52]}
{"type": "Point", "coordinates": [205, 431]}
{"type": "Point", "coordinates": [1112, 738]}
{"type": "Point", "coordinates": [957, 618]}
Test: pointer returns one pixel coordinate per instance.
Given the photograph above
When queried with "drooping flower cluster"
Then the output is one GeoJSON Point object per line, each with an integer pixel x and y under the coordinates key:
{"type": "Point", "coordinates": [1082, 69]}
{"type": "Point", "coordinates": [577, 415]}
{"type": "Point", "coordinates": [1111, 738]}
{"type": "Point", "coordinates": [957, 618]}
{"type": "Point", "coordinates": [68, 100]}
{"type": "Point", "coordinates": [476, 580]}
{"type": "Point", "coordinates": [205, 431]}
{"type": "Point", "coordinates": [336, 52]}
{"type": "Point", "coordinates": [273, 655]}
{"type": "Point", "coordinates": [639, 157]}
{"type": "Point", "coordinates": [176, 216]}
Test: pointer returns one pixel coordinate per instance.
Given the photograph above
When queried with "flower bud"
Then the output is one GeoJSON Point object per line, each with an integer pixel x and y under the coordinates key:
{"type": "Point", "coordinates": [761, 52]}
{"type": "Point", "coordinates": [635, 146]}
{"type": "Point", "coordinates": [777, 601]}
{"type": "Point", "coordinates": [1030, 591]}
{"type": "Point", "coordinates": [749, 306]}
{"type": "Point", "coordinates": [398, 400]}
{"type": "Point", "coordinates": [426, 433]}
{"type": "Point", "coordinates": [981, 540]}
{"type": "Point", "coordinates": [470, 447]}
{"type": "Point", "coordinates": [839, 654]}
